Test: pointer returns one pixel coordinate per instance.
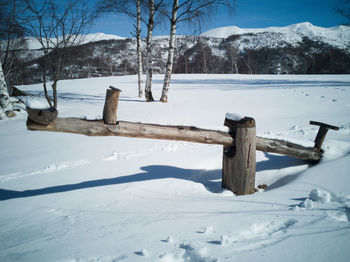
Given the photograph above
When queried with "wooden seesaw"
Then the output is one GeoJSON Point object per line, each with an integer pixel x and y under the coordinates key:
{"type": "Point", "coordinates": [239, 144]}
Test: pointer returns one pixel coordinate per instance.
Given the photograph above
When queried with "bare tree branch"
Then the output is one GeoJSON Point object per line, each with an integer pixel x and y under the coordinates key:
{"type": "Point", "coordinates": [57, 26]}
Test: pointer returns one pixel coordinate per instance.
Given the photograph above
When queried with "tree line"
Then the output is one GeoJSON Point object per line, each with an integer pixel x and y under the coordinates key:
{"type": "Point", "coordinates": [193, 54]}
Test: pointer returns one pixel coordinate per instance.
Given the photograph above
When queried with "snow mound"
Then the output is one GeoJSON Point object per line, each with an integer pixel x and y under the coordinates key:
{"type": "Point", "coordinates": [169, 240]}
{"type": "Point", "coordinates": [190, 252]}
{"type": "Point", "coordinates": [38, 103]}
{"type": "Point", "coordinates": [320, 196]}
{"type": "Point", "coordinates": [307, 204]}
{"type": "Point", "coordinates": [336, 206]}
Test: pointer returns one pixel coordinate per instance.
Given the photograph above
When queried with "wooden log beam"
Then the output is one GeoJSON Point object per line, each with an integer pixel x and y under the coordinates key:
{"type": "Point", "coordinates": [132, 129]}
{"type": "Point", "coordinates": [168, 132]}
{"type": "Point", "coordinates": [288, 148]}
{"type": "Point", "coordinates": [322, 132]}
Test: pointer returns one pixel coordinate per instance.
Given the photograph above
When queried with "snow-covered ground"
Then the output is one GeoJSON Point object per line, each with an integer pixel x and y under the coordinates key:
{"type": "Point", "coordinates": [66, 197]}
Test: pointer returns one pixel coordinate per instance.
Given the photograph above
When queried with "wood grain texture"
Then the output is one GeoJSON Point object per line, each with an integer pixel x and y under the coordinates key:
{"type": "Point", "coordinates": [168, 132]}
{"type": "Point", "coordinates": [238, 169]}
{"type": "Point", "coordinates": [111, 105]}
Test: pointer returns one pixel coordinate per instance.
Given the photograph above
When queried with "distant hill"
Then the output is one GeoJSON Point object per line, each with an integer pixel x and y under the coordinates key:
{"type": "Point", "coordinates": [33, 44]}
{"type": "Point", "coordinates": [338, 36]}
{"type": "Point", "coordinates": [296, 49]}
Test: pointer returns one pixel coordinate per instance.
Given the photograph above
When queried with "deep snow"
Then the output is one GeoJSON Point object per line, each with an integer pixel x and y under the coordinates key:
{"type": "Point", "coordinates": [66, 197]}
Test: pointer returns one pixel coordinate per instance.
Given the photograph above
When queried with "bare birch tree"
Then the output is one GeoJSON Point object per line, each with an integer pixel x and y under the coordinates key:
{"type": "Point", "coordinates": [11, 39]}
{"type": "Point", "coordinates": [131, 8]}
{"type": "Point", "coordinates": [6, 109]}
{"type": "Point", "coordinates": [149, 67]}
{"type": "Point", "coordinates": [233, 54]}
{"type": "Point", "coordinates": [57, 26]}
{"type": "Point", "coordinates": [185, 10]}
{"type": "Point", "coordinates": [138, 47]}
{"type": "Point", "coordinates": [154, 8]}
{"type": "Point", "coordinates": [11, 35]}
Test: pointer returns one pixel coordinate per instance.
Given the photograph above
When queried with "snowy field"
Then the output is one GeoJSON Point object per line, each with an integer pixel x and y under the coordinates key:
{"type": "Point", "coordinates": [66, 197]}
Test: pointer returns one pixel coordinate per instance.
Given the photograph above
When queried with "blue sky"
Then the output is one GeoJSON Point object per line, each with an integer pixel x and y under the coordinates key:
{"type": "Point", "coordinates": [248, 14]}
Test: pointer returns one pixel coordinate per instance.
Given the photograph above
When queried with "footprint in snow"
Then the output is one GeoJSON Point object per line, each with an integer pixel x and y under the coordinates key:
{"type": "Point", "coordinates": [45, 170]}
{"type": "Point", "coordinates": [207, 230]}
{"type": "Point", "coordinates": [98, 258]}
{"type": "Point", "coordinates": [171, 147]}
{"type": "Point", "coordinates": [68, 218]}
{"type": "Point", "coordinates": [143, 253]}
{"type": "Point", "coordinates": [340, 204]}
{"type": "Point", "coordinates": [259, 235]}
{"type": "Point", "coordinates": [169, 240]}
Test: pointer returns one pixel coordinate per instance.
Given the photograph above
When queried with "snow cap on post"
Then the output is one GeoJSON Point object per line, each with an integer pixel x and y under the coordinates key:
{"type": "Point", "coordinates": [234, 117]}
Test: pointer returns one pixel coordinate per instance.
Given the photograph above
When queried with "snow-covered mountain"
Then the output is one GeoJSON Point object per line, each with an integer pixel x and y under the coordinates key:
{"type": "Point", "coordinates": [306, 29]}
{"type": "Point", "coordinates": [296, 49]}
{"type": "Point", "coordinates": [337, 36]}
{"type": "Point", "coordinates": [84, 39]}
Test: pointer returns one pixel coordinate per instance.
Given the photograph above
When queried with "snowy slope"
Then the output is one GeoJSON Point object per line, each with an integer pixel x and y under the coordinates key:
{"type": "Point", "coordinates": [66, 197]}
{"type": "Point", "coordinates": [337, 36]}
{"type": "Point", "coordinates": [95, 37]}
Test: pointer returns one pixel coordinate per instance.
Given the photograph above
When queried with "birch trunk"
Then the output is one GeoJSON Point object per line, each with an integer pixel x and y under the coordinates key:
{"type": "Point", "coordinates": [6, 109]}
{"type": "Point", "coordinates": [171, 50]}
{"type": "Point", "coordinates": [139, 53]}
{"type": "Point", "coordinates": [150, 26]}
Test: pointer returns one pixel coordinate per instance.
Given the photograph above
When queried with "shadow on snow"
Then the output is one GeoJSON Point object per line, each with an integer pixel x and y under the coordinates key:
{"type": "Point", "coordinates": [210, 179]}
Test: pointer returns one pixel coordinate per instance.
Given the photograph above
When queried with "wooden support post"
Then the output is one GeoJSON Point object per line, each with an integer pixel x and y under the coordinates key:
{"type": "Point", "coordinates": [111, 105]}
{"type": "Point", "coordinates": [322, 132]}
{"type": "Point", "coordinates": [239, 159]}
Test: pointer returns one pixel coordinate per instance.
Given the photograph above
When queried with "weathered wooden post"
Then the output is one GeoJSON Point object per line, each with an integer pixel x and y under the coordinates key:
{"type": "Point", "coordinates": [111, 105]}
{"type": "Point", "coordinates": [322, 132]}
{"type": "Point", "coordinates": [239, 159]}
